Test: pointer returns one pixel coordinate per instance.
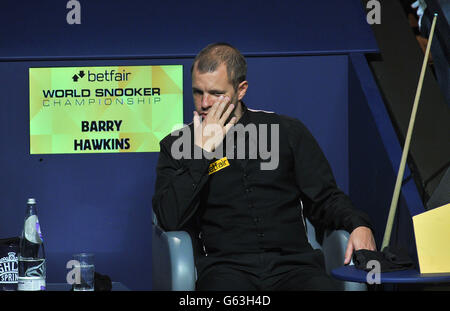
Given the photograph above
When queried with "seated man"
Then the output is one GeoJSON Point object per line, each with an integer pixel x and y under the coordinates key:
{"type": "Point", "coordinates": [247, 208]}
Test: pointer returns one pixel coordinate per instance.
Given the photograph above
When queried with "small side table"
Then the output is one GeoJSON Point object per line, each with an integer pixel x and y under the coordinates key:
{"type": "Point", "coordinates": [352, 274]}
{"type": "Point", "coordinates": [116, 286]}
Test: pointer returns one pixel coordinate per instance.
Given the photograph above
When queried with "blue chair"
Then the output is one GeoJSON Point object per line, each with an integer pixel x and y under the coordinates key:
{"type": "Point", "coordinates": [173, 266]}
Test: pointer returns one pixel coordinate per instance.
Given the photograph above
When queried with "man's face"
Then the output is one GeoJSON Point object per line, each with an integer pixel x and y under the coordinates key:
{"type": "Point", "coordinates": [209, 86]}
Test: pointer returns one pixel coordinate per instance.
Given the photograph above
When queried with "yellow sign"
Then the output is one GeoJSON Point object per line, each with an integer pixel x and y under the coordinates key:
{"type": "Point", "coordinates": [103, 109]}
{"type": "Point", "coordinates": [218, 165]}
{"type": "Point", "coordinates": [432, 232]}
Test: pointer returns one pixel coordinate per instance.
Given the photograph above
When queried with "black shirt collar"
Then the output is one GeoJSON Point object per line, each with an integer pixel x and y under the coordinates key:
{"type": "Point", "coordinates": [245, 118]}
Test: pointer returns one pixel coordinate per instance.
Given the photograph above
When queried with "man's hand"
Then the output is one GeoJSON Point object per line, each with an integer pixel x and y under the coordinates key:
{"type": "Point", "coordinates": [209, 132]}
{"type": "Point", "coordinates": [360, 238]}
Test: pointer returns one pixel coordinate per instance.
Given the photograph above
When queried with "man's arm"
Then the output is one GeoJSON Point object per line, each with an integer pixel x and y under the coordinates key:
{"type": "Point", "coordinates": [177, 188]}
{"type": "Point", "coordinates": [178, 182]}
{"type": "Point", "coordinates": [326, 206]}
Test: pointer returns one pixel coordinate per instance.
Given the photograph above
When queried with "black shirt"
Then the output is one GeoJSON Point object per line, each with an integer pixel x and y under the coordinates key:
{"type": "Point", "coordinates": [242, 208]}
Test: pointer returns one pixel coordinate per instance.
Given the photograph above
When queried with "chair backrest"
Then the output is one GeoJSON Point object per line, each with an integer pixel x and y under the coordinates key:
{"type": "Point", "coordinates": [154, 218]}
{"type": "Point", "coordinates": [311, 232]}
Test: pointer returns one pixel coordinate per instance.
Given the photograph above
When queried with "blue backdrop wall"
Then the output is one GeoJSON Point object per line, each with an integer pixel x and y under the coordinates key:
{"type": "Point", "coordinates": [298, 65]}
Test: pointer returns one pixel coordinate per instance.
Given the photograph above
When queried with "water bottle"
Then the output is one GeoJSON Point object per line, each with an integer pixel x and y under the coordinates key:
{"type": "Point", "coordinates": [31, 259]}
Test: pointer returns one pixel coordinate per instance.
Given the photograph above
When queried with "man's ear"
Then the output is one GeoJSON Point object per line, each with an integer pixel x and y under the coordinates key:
{"type": "Point", "coordinates": [242, 89]}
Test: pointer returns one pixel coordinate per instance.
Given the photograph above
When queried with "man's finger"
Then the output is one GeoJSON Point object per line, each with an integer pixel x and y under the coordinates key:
{"type": "Point", "coordinates": [226, 114]}
{"type": "Point", "coordinates": [230, 124]}
{"type": "Point", "coordinates": [348, 253]}
{"type": "Point", "coordinates": [197, 129]}
{"type": "Point", "coordinates": [215, 111]}
{"type": "Point", "coordinates": [223, 100]}
{"type": "Point", "coordinates": [196, 119]}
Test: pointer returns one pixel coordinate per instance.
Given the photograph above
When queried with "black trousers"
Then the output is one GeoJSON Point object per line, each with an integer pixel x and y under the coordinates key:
{"type": "Point", "coordinates": [267, 271]}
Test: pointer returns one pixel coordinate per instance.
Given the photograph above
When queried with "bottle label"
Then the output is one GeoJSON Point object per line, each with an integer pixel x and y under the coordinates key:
{"type": "Point", "coordinates": [8, 269]}
{"type": "Point", "coordinates": [33, 230]}
{"type": "Point", "coordinates": [30, 284]}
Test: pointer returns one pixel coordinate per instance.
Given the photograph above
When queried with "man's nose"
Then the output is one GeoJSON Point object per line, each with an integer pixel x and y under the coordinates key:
{"type": "Point", "coordinates": [206, 101]}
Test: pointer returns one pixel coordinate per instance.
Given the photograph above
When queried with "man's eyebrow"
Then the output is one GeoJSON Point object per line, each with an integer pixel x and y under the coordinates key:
{"type": "Point", "coordinates": [213, 91]}
{"type": "Point", "coordinates": [216, 91]}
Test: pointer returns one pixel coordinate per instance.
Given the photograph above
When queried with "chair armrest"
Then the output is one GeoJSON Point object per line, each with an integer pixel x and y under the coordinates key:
{"type": "Point", "coordinates": [182, 259]}
{"type": "Point", "coordinates": [173, 260]}
{"type": "Point", "coordinates": [334, 246]}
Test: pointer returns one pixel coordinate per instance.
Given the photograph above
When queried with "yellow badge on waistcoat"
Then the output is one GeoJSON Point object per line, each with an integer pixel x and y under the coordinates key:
{"type": "Point", "coordinates": [218, 165]}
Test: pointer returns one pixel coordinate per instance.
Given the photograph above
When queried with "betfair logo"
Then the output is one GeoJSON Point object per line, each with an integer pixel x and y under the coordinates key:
{"type": "Point", "coordinates": [218, 165]}
{"type": "Point", "coordinates": [108, 75]}
{"type": "Point", "coordinates": [78, 76]}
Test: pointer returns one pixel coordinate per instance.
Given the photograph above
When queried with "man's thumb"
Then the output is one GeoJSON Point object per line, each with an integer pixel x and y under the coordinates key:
{"type": "Point", "coordinates": [348, 253]}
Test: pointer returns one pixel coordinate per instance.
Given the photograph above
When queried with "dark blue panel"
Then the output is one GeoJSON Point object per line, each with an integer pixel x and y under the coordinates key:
{"type": "Point", "coordinates": [101, 202]}
{"type": "Point", "coordinates": [374, 160]}
{"type": "Point", "coordinates": [372, 178]}
{"type": "Point", "coordinates": [312, 89]}
{"type": "Point", "coordinates": [142, 28]}
{"type": "Point", "coordinates": [98, 203]}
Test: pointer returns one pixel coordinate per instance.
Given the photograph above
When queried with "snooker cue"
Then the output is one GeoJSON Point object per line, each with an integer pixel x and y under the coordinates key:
{"type": "Point", "coordinates": [398, 183]}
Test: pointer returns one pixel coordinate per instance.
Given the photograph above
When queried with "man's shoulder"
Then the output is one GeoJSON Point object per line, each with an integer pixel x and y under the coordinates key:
{"type": "Point", "coordinates": [291, 121]}
{"type": "Point", "coordinates": [264, 116]}
{"type": "Point", "coordinates": [275, 117]}
{"type": "Point", "coordinates": [289, 125]}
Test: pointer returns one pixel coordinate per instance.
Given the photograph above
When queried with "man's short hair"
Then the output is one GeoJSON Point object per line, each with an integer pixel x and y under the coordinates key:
{"type": "Point", "coordinates": [215, 54]}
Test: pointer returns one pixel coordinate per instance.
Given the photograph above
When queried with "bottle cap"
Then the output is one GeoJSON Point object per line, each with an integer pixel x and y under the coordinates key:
{"type": "Point", "coordinates": [31, 201]}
